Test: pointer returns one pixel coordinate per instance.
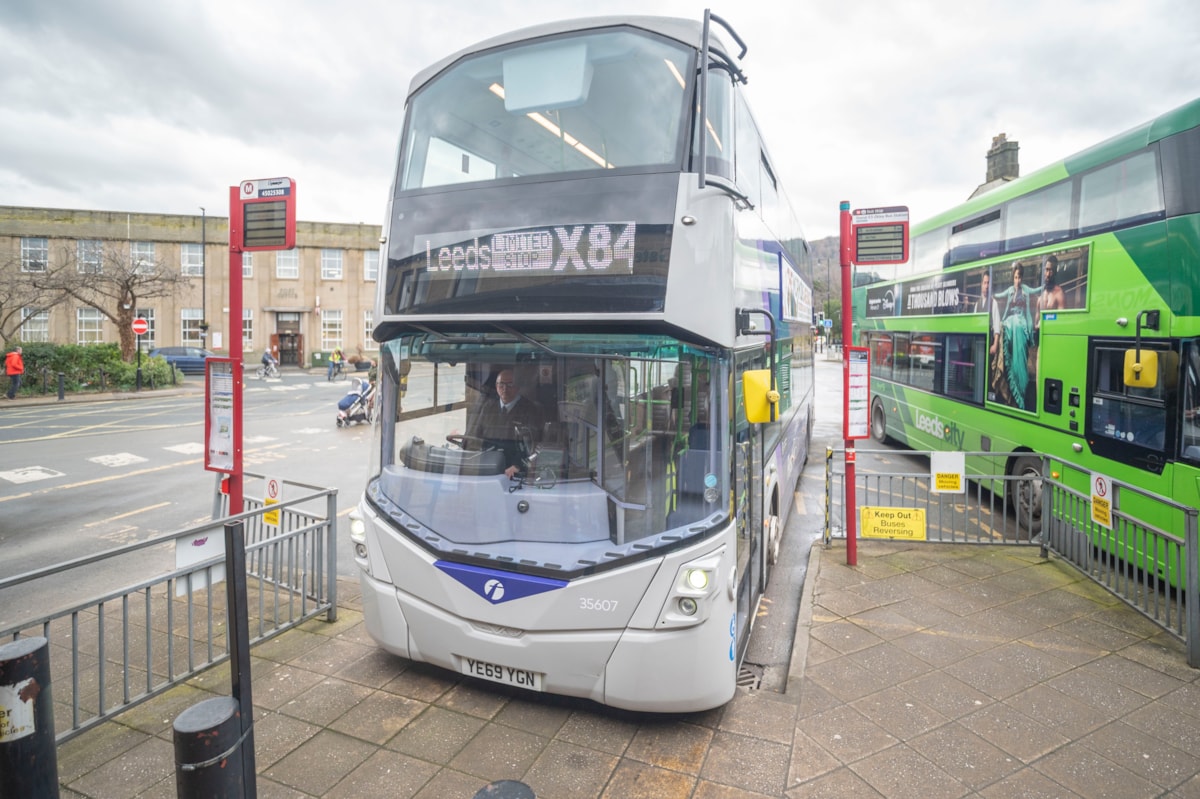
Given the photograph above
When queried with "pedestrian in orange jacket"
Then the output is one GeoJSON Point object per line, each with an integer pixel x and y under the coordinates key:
{"type": "Point", "coordinates": [14, 367]}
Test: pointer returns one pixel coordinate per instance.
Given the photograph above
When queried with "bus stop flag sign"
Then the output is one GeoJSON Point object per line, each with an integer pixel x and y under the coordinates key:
{"type": "Point", "coordinates": [880, 235]}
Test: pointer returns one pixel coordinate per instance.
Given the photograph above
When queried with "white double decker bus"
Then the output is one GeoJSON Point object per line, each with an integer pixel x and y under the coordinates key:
{"type": "Point", "coordinates": [585, 215]}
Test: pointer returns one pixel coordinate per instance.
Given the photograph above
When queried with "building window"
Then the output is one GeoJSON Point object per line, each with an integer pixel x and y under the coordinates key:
{"type": "Point", "coordinates": [141, 256]}
{"type": "Point", "coordinates": [248, 330]}
{"type": "Point", "coordinates": [371, 265]}
{"type": "Point", "coordinates": [191, 260]}
{"type": "Point", "coordinates": [36, 327]}
{"type": "Point", "coordinates": [89, 256]}
{"type": "Point", "coordinates": [287, 264]}
{"type": "Point", "coordinates": [331, 264]}
{"type": "Point", "coordinates": [89, 326]}
{"type": "Point", "coordinates": [247, 265]}
{"type": "Point", "coordinates": [190, 319]}
{"type": "Point", "coordinates": [368, 329]}
{"type": "Point", "coordinates": [149, 338]}
{"type": "Point", "coordinates": [331, 329]}
{"type": "Point", "coordinates": [35, 254]}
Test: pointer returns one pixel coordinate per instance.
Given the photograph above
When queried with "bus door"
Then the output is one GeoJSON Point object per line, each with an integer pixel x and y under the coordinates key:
{"type": "Point", "coordinates": [1187, 479]}
{"type": "Point", "coordinates": [748, 504]}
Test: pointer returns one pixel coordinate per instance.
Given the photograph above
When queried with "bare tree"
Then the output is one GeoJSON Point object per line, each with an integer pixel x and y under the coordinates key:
{"type": "Point", "coordinates": [113, 281]}
{"type": "Point", "coordinates": [22, 294]}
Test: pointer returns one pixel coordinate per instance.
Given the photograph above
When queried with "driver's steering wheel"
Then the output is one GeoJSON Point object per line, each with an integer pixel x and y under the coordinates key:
{"type": "Point", "coordinates": [461, 441]}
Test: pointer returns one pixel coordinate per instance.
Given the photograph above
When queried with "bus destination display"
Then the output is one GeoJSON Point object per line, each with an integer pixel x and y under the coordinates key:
{"type": "Point", "coordinates": [580, 248]}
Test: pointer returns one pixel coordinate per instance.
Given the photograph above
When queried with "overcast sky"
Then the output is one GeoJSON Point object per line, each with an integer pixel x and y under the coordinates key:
{"type": "Point", "coordinates": [159, 106]}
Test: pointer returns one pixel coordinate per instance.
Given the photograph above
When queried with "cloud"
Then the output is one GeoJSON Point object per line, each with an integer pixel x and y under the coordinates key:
{"type": "Point", "coordinates": [128, 105]}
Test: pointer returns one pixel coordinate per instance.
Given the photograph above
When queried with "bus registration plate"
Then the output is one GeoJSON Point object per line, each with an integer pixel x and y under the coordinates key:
{"type": "Point", "coordinates": [495, 672]}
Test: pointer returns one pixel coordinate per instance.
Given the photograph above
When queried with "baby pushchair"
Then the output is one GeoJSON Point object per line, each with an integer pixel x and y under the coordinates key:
{"type": "Point", "coordinates": [358, 403]}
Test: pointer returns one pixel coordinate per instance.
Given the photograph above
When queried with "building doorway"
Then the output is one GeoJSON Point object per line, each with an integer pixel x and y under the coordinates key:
{"type": "Point", "coordinates": [287, 339]}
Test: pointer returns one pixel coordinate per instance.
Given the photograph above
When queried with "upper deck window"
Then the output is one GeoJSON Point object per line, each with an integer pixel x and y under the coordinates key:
{"type": "Point", "coordinates": [1121, 194]}
{"type": "Point", "coordinates": [581, 103]}
{"type": "Point", "coordinates": [976, 238]}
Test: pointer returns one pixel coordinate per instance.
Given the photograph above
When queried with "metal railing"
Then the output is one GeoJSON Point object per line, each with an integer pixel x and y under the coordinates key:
{"type": "Point", "coordinates": [130, 644]}
{"type": "Point", "coordinates": [1148, 555]}
{"type": "Point", "coordinates": [979, 515]}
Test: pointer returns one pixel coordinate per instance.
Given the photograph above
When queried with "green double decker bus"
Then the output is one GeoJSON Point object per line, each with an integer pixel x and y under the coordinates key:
{"type": "Point", "coordinates": [1058, 314]}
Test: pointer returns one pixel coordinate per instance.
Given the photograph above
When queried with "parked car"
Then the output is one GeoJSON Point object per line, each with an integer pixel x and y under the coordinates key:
{"type": "Point", "coordinates": [189, 360]}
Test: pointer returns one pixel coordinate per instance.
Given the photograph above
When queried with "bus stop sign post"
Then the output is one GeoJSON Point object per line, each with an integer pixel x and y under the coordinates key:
{"type": "Point", "coordinates": [847, 340]}
{"type": "Point", "coordinates": [868, 236]}
{"type": "Point", "coordinates": [262, 216]}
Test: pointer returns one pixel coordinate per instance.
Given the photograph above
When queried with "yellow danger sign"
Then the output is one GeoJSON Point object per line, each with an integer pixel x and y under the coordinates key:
{"type": "Point", "coordinates": [948, 482]}
{"type": "Point", "coordinates": [271, 517]}
{"type": "Point", "coordinates": [903, 523]}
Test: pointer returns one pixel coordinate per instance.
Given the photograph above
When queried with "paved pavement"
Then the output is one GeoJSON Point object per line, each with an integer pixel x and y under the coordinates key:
{"type": "Point", "coordinates": [927, 670]}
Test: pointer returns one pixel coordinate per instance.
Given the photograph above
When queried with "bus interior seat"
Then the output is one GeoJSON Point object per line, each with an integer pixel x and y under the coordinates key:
{"type": "Point", "coordinates": [689, 501]}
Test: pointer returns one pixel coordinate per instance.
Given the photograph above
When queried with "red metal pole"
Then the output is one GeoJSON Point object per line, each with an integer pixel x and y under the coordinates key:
{"type": "Point", "coordinates": [847, 340]}
{"type": "Point", "coordinates": [236, 504]}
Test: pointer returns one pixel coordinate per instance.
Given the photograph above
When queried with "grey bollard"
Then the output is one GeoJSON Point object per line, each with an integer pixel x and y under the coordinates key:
{"type": "Point", "coordinates": [28, 758]}
{"type": "Point", "coordinates": [208, 752]}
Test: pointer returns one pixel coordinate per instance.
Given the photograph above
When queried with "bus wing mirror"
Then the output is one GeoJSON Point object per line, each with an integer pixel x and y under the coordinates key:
{"type": "Point", "coordinates": [760, 398]}
{"type": "Point", "coordinates": [1141, 368]}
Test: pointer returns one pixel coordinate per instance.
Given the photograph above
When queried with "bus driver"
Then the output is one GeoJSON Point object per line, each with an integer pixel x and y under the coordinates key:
{"type": "Point", "coordinates": [500, 420]}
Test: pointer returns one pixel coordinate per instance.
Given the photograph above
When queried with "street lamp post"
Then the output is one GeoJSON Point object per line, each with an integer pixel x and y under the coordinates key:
{"type": "Point", "coordinates": [203, 279]}
{"type": "Point", "coordinates": [828, 297]}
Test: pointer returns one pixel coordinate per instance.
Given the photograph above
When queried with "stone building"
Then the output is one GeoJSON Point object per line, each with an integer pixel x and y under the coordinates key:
{"type": "Point", "coordinates": [302, 302]}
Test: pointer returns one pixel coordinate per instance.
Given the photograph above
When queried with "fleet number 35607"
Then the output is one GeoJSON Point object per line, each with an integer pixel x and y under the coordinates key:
{"type": "Point", "coordinates": [603, 605]}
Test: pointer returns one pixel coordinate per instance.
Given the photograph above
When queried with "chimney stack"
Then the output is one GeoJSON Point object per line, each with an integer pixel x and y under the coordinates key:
{"type": "Point", "coordinates": [1002, 160]}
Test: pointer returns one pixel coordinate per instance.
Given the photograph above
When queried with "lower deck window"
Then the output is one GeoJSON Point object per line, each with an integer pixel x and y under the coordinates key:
{"type": "Point", "coordinates": [951, 364]}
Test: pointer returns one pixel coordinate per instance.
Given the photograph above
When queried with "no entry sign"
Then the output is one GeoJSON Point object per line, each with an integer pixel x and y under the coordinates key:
{"type": "Point", "coordinates": [140, 326]}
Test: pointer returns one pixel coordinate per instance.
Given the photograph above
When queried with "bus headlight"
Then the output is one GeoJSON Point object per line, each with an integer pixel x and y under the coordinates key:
{"type": "Point", "coordinates": [358, 529]}
{"type": "Point", "coordinates": [695, 586]}
{"type": "Point", "coordinates": [358, 534]}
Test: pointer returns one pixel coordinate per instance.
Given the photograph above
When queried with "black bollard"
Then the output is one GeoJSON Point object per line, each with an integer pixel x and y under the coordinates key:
{"type": "Point", "coordinates": [62, 391]}
{"type": "Point", "coordinates": [505, 789]}
{"type": "Point", "coordinates": [208, 750]}
{"type": "Point", "coordinates": [28, 758]}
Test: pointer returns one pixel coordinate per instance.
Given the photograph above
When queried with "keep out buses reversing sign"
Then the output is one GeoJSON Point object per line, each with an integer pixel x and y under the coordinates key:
{"type": "Point", "coordinates": [905, 524]}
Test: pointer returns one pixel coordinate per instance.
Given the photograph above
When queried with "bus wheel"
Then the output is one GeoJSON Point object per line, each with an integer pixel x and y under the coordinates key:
{"type": "Point", "coordinates": [774, 534]}
{"type": "Point", "coordinates": [1027, 496]}
{"type": "Point", "coordinates": [879, 422]}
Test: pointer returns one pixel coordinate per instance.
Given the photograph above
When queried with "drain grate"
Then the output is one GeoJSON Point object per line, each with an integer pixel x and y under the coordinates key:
{"type": "Point", "coordinates": [750, 676]}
